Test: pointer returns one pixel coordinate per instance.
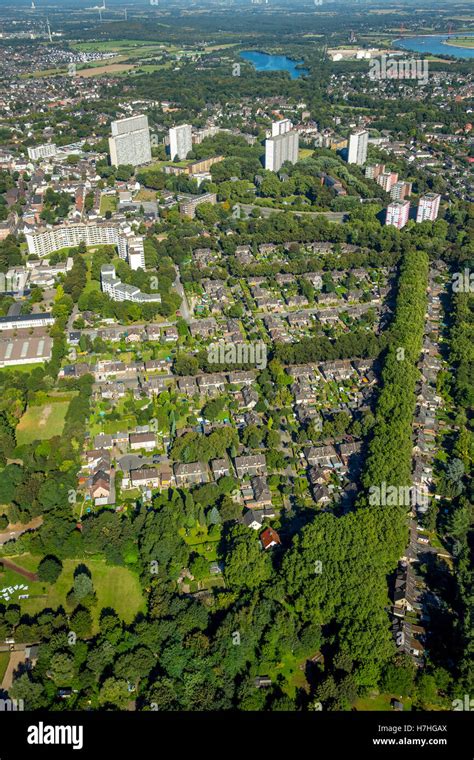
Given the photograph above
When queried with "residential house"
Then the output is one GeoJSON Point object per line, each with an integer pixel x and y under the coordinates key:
{"type": "Point", "coordinates": [270, 538]}
{"type": "Point", "coordinates": [220, 468]}
{"type": "Point", "coordinates": [190, 474]}
{"type": "Point", "coordinates": [323, 456]}
{"type": "Point", "coordinates": [252, 464]}
{"type": "Point", "coordinates": [145, 441]}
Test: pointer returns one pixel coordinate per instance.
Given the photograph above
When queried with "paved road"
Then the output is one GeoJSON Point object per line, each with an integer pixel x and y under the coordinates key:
{"type": "Point", "coordinates": [133, 462]}
{"type": "Point", "coordinates": [72, 317]}
{"type": "Point", "coordinates": [14, 532]}
{"type": "Point", "coordinates": [184, 308]}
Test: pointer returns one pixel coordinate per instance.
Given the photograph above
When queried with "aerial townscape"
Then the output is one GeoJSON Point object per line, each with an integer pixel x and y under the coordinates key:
{"type": "Point", "coordinates": [236, 356]}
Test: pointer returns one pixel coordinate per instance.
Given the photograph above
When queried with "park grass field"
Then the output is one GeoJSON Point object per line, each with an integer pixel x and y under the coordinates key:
{"type": "Point", "coordinates": [42, 422]}
{"type": "Point", "coordinates": [116, 587]}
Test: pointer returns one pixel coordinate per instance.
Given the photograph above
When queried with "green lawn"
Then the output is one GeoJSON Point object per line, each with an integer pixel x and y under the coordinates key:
{"type": "Point", "coordinates": [4, 659]}
{"type": "Point", "coordinates": [290, 668]}
{"type": "Point", "coordinates": [201, 543]}
{"type": "Point", "coordinates": [42, 422]}
{"type": "Point", "coordinates": [116, 587]}
{"type": "Point", "coordinates": [23, 367]}
{"type": "Point", "coordinates": [380, 702]}
{"type": "Point", "coordinates": [92, 286]}
{"type": "Point", "coordinates": [108, 203]}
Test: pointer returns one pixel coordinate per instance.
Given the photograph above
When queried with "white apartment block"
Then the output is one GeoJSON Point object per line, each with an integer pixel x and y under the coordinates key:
{"type": "Point", "coordinates": [428, 208]}
{"type": "Point", "coordinates": [281, 148]}
{"type": "Point", "coordinates": [42, 151]}
{"type": "Point", "coordinates": [398, 214]}
{"type": "Point", "coordinates": [120, 291]}
{"type": "Point", "coordinates": [358, 144]}
{"type": "Point", "coordinates": [130, 246]}
{"type": "Point", "coordinates": [281, 127]}
{"type": "Point", "coordinates": [180, 141]}
{"type": "Point", "coordinates": [136, 252]}
{"type": "Point", "coordinates": [130, 141]}
{"type": "Point", "coordinates": [42, 242]}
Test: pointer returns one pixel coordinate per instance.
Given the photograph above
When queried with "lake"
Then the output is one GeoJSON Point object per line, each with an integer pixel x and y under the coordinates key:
{"type": "Point", "coordinates": [267, 62]}
{"type": "Point", "coordinates": [435, 44]}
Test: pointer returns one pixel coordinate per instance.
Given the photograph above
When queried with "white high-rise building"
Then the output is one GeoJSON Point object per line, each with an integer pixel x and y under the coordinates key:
{"type": "Point", "coordinates": [428, 208]}
{"type": "Point", "coordinates": [358, 144]}
{"type": "Point", "coordinates": [130, 141]}
{"type": "Point", "coordinates": [398, 214]}
{"type": "Point", "coordinates": [42, 151]}
{"type": "Point", "coordinates": [180, 141]}
{"type": "Point", "coordinates": [281, 127]}
{"type": "Point", "coordinates": [136, 252]}
{"type": "Point", "coordinates": [281, 148]}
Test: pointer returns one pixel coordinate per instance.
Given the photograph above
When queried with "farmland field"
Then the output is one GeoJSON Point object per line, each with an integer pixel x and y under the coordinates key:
{"type": "Point", "coordinates": [107, 68]}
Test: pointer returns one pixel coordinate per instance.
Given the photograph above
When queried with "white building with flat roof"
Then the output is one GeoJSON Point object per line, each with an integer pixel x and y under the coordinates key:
{"type": "Point", "coordinates": [42, 151]}
{"type": "Point", "coordinates": [281, 148]}
{"type": "Point", "coordinates": [358, 144]}
{"type": "Point", "coordinates": [130, 141]}
{"type": "Point", "coordinates": [120, 291]}
{"type": "Point", "coordinates": [428, 208]}
{"type": "Point", "coordinates": [130, 247]}
{"type": "Point", "coordinates": [281, 127]}
{"type": "Point", "coordinates": [27, 321]}
{"type": "Point", "coordinates": [398, 214]}
{"type": "Point", "coordinates": [180, 141]}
